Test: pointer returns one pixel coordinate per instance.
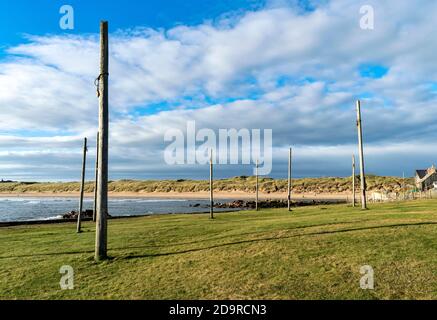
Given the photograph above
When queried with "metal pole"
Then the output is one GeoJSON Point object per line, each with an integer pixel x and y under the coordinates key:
{"type": "Point", "coordinates": [360, 149]}
{"type": "Point", "coordinates": [102, 186]}
{"type": "Point", "coordinates": [211, 186]}
{"type": "Point", "coordinates": [96, 177]}
{"type": "Point", "coordinates": [82, 185]}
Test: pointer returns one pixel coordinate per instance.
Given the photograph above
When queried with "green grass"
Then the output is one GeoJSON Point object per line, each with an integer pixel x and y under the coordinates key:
{"type": "Point", "coordinates": [245, 184]}
{"type": "Point", "coordinates": [312, 253]}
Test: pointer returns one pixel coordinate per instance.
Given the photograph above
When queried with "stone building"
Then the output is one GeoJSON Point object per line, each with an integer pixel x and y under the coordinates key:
{"type": "Point", "coordinates": [425, 179]}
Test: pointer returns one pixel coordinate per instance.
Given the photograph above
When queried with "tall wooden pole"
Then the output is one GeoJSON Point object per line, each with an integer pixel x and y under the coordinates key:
{"type": "Point", "coordinates": [289, 179]}
{"type": "Point", "coordinates": [360, 149]}
{"type": "Point", "coordinates": [211, 186]}
{"type": "Point", "coordinates": [257, 186]}
{"type": "Point", "coordinates": [102, 180]}
{"type": "Point", "coordinates": [82, 186]}
{"type": "Point", "coordinates": [96, 177]}
{"type": "Point", "coordinates": [353, 181]}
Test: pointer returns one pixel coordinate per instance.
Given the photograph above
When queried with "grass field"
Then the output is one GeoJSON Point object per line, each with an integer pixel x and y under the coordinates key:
{"type": "Point", "coordinates": [243, 184]}
{"type": "Point", "coordinates": [312, 253]}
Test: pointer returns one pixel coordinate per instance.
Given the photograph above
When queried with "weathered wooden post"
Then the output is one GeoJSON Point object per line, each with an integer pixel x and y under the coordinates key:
{"type": "Point", "coordinates": [257, 187]}
{"type": "Point", "coordinates": [102, 180]}
{"type": "Point", "coordinates": [353, 181]}
{"type": "Point", "coordinates": [82, 186]}
{"type": "Point", "coordinates": [289, 180]}
{"type": "Point", "coordinates": [211, 186]}
{"type": "Point", "coordinates": [360, 149]}
{"type": "Point", "coordinates": [96, 176]}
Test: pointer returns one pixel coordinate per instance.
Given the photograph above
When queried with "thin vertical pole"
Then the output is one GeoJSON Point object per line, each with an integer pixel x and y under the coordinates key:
{"type": "Point", "coordinates": [289, 180]}
{"type": "Point", "coordinates": [211, 186]}
{"type": "Point", "coordinates": [403, 185]}
{"type": "Point", "coordinates": [102, 185]}
{"type": "Point", "coordinates": [353, 181]}
{"type": "Point", "coordinates": [257, 186]}
{"type": "Point", "coordinates": [82, 186]}
{"type": "Point", "coordinates": [96, 177]}
{"type": "Point", "coordinates": [360, 149]}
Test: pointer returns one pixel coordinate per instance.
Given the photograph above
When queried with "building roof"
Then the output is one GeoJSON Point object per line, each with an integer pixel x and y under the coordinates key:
{"type": "Point", "coordinates": [421, 173]}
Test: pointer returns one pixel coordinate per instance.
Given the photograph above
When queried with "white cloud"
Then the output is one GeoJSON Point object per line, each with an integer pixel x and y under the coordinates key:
{"type": "Point", "coordinates": [278, 68]}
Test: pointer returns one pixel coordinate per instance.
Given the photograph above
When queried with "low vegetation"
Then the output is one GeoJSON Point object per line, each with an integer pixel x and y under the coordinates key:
{"type": "Point", "coordinates": [311, 253]}
{"type": "Point", "coordinates": [244, 184]}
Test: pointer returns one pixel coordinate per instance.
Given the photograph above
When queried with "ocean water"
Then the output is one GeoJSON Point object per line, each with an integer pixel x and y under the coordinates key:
{"type": "Point", "coordinates": [35, 209]}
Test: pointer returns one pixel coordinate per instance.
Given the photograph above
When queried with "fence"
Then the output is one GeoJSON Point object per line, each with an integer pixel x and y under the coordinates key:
{"type": "Point", "coordinates": [378, 197]}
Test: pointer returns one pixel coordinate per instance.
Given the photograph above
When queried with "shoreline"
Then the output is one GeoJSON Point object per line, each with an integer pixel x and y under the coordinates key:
{"type": "Point", "coordinates": [227, 195]}
{"type": "Point", "coordinates": [219, 196]}
{"type": "Point", "coordinates": [7, 224]}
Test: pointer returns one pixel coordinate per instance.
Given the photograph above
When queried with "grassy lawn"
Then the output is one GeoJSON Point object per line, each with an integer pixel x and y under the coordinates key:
{"type": "Point", "coordinates": [312, 253]}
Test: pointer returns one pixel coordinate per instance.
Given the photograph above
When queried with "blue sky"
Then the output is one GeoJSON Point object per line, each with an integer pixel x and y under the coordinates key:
{"type": "Point", "coordinates": [296, 67]}
{"type": "Point", "coordinates": [42, 17]}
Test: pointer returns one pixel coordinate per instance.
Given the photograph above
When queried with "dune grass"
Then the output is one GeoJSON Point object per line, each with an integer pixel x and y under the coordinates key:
{"type": "Point", "coordinates": [312, 253]}
{"type": "Point", "coordinates": [244, 184]}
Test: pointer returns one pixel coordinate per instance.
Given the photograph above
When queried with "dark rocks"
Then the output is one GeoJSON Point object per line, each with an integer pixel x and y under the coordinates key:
{"type": "Point", "coordinates": [87, 214]}
{"type": "Point", "coordinates": [269, 204]}
{"type": "Point", "coordinates": [70, 215]}
{"type": "Point", "coordinates": [199, 205]}
{"type": "Point", "coordinates": [73, 214]}
{"type": "Point", "coordinates": [241, 204]}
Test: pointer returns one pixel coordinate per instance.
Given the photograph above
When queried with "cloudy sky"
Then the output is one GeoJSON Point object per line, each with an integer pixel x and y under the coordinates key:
{"type": "Point", "coordinates": [296, 67]}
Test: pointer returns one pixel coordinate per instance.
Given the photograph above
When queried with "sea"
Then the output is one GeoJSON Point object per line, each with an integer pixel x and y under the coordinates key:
{"type": "Point", "coordinates": [17, 209]}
